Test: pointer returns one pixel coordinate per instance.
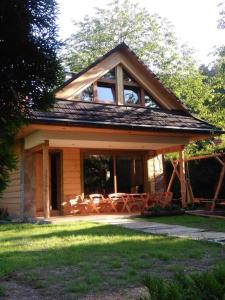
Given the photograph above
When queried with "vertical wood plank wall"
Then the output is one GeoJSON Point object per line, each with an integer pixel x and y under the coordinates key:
{"type": "Point", "coordinates": [39, 185]}
{"type": "Point", "coordinates": [11, 198]}
{"type": "Point", "coordinates": [71, 171]}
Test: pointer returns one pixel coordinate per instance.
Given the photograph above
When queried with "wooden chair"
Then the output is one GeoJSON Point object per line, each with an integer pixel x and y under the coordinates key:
{"type": "Point", "coordinates": [76, 204]}
{"type": "Point", "coordinates": [120, 199]}
{"type": "Point", "coordinates": [98, 203]}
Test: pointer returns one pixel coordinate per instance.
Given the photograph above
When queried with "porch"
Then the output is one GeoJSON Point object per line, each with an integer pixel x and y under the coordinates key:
{"type": "Point", "coordinates": [102, 163]}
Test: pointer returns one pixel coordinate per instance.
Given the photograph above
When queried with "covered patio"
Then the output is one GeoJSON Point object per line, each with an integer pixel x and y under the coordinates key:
{"type": "Point", "coordinates": [91, 171]}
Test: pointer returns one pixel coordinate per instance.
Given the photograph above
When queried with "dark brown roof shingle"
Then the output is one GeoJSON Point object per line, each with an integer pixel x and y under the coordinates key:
{"type": "Point", "coordinates": [77, 113]}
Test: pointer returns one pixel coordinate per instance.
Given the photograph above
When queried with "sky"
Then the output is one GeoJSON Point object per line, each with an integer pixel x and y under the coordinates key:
{"type": "Point", "coordinates": [195, 21]}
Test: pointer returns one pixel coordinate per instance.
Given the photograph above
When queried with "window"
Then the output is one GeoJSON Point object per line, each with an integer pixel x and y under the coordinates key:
{"type": "Point", "coordinates": [87, 94]}
{"type": "Point", "coordinates": [149, 101]}
{"type": "Point", "coordinates": [107, 173]}
{"type": "Point", "coordinates": [98, 174]}
{"type": "Point", "coordinates": [105, 93]}
{"type": "Point", "coordinates": [131, 95]}
{"type": "Point", "coordinates": [127, 77]}
{"type": "Point", "coordinates": [111, 75]}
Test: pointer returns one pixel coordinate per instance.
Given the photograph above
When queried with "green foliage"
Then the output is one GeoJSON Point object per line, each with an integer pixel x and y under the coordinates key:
{"type": "Point", "coordinates": [29, 68]}
{"type": "Point", "coordinates": [150, 36]}
{"type": "Point", "coordinates": [153, 39]}
{"type": "Point", "coordinates": [202, 286]}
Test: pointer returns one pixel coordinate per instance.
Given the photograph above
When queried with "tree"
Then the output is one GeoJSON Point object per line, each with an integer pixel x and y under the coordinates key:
{"type": "Point", "coordinates": [154, 40]}
{"type": "Point", "coordinates": [29, 68]}
{"type": "Point", "coordinates": [150, 36]}
{"type": "Point", "coordinates": [221, 21]}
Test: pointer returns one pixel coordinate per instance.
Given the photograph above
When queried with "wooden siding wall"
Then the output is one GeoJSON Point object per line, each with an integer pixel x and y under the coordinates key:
{"type": "Point", "coordinates": [11, 198]}
{"type": "Point", "coordinates": [29, 184]}
{"type": "Point", "coordinates": [71, 171]}
{"type": "Point", "coordinates": [39, 185]}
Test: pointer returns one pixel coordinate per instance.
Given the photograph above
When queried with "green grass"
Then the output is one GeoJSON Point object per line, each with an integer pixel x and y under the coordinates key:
{"type": "Point", "coordinates": [78, 258]}
{"type": "Point", "coordinates": [206, 223]}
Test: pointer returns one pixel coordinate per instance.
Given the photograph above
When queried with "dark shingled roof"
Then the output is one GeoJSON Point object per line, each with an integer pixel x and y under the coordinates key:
{"type": "Point", "coordinates": [77, 113]}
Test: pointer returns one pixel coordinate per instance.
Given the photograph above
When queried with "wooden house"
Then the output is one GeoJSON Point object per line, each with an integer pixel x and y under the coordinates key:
{"type": "Point", "coordinates": [108, 122]}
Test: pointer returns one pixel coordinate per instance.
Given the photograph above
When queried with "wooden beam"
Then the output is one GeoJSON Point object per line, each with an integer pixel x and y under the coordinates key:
{"type": "Point", "coordinates": [204, 156]}
{"type": "Point", "coordinates": [37, 148]}
{"type": "Point", "coordinates": [182, 178]}
{"type": "Point", "coordinates": [46, 173]}
{"type": "Point", "coordinates": [219, 160]}
{"type": "Point", "coordinates": [115, 174]}
{"type": "Point", "coordinates": [174, 164]}
{"type": "Point", "coordinates": [119, 85]}
{"type": "Point", "coordinates": [218, 188]}
{"type": "Point", "coordinates": [169, 150]}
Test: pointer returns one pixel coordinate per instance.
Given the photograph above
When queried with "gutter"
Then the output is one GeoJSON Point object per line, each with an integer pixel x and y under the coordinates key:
{"type": "Point", "coordinates": [67, 122]}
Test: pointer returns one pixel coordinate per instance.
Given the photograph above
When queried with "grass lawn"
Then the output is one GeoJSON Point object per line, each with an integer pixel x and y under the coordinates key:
{"type": "Point", "coordinates": [67, 261]}
{"type": "Point", "coordinates": [206, 223]}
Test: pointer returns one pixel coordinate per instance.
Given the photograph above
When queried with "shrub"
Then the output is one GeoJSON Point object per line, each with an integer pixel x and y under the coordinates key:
{"type": "Point", "coordinates": [208, 285]}
{"type": "Point", "coordinates": [157, 208]}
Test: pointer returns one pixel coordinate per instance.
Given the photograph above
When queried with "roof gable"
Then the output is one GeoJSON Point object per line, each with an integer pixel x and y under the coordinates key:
{"type": "Point", "coordinates": [120, 55]}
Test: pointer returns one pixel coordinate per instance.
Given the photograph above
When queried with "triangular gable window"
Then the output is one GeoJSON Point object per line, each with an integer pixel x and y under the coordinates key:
{"type": "Point", "coordinates": [104, 91]}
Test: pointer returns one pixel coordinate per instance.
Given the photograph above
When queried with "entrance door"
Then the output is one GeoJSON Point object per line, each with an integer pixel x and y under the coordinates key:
{"type": "Point", "coordinates": [55, 180]}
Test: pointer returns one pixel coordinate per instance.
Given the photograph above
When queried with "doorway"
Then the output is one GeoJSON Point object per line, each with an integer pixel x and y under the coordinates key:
{"type": "Point", "coordinates": [55, 180]}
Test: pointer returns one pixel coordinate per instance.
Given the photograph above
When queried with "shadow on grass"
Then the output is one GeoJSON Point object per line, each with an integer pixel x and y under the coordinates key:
{"type": "Point", "coordinates": [104, 253]}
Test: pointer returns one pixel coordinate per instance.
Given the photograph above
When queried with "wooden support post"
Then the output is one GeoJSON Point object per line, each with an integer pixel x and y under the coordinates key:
{"type": "Point", "coordinates": [182, 178]}
{"type": "Point", "coordinates": [115, 175]}
{"type": "Point", "coordinates": [218, 188]}
{"type": "Point", "coordinates": [46, 198]}
{"type": "Point", "coordinates": [119, 85]}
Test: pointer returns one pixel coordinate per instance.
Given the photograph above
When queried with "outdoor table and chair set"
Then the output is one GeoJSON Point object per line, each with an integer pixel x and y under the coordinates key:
{"type": "Point", "coordinates": [116, 202]}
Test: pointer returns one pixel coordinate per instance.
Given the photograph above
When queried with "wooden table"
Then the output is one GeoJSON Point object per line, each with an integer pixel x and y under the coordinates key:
{"type": "Point", "coordinates": [142, 197]}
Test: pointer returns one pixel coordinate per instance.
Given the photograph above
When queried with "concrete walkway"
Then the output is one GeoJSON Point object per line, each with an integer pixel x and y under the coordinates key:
{"type": "Point", "coordinates": [165, 229]}
{"type": "Point", "coordinates": [126, 221]}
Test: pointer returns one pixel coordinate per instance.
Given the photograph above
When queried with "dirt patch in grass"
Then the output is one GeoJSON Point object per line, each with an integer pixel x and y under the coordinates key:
{"type": "Point", "coordinates": [14, 290]}
{"type": "Point", "coordinates": [100, 283]}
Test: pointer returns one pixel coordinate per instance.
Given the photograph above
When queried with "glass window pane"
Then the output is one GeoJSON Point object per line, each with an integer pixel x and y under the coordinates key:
{"type": "Point", "coordinates": [110, 75]}
{"type": "Point", "coordinates": [87, 94]}
{"type": "Point", "coordinates": [127, 77]}
{"type": "Point", "coordinates": [98, 174]}
{"type": "Point", "coordinates": [150, 102]}
{"type": "Point", "coordinates": [105, 93]}
{"type": "Point", "coordinates": [131, 95]}
{"type": "Point", "coordinates": [130, 174]}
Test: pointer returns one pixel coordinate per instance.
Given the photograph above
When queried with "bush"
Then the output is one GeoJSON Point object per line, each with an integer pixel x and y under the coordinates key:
{"type": "Point", "coordinates": [157, 208]}
{"type": "Point", "coordinates": [208, 285]}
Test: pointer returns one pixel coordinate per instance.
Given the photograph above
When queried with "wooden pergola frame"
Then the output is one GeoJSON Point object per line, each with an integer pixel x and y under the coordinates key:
{"type": "Point", "coordinates": [186, 190]}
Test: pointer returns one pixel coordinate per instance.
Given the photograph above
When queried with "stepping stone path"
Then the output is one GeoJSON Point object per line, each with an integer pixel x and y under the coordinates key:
{"type": "Point", "coordinates": [165, 229]}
